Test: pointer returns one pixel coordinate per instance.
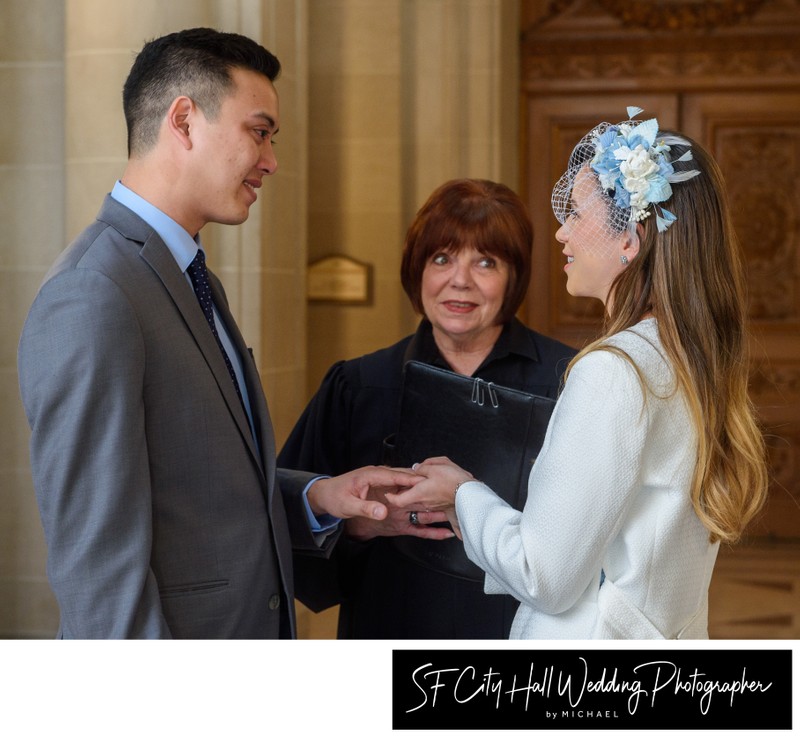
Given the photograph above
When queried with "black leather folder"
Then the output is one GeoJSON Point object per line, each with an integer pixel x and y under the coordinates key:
{"type": "Point", "coordinates": [493, 432]}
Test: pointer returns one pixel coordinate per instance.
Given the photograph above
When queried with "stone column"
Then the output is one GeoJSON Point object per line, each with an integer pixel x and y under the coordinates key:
{"type": "Point", "coordinates": [32, 216]}
{"type": "Point", "coordinates": [460, 87]}
{"type": "Point", "coordinates": [405, 94]}
{"type": "Point", "coordinates": [260, 262]}
{"type": "Point", "coordinates": [274, 311]}
{"type": "Point", "coordinates": [62, 146]}
{"type": "Point", "coordinates": [101, 41]}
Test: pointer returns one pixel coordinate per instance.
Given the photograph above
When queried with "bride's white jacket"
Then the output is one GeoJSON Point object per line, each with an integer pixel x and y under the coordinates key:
{"type": "Point", "coordinates": [608, 500]}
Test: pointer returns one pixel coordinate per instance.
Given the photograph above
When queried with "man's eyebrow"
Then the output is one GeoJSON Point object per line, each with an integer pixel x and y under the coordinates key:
{"type": "Point", "coordinates": [270, 121]}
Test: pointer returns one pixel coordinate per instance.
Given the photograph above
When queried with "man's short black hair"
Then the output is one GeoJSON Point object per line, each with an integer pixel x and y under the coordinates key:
{"type": "Point", "coordinates": [195, 62]}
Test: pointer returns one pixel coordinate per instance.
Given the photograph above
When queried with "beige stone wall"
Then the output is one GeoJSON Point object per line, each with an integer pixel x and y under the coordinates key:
{"type": "Point", "coordinates": [31, 235]}
{"type": "Point", "coordinates": [404, 95]}
{"type": "Point", "coordinates": [381, 100]}
{"type": "Point", "coordinates": [262, 262]}
{"type": "Point", "coordinates": [62, 146]}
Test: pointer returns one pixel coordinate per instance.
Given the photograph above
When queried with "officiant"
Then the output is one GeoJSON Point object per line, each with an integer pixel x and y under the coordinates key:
{"type": "Point", "coordinates": [465, 268]}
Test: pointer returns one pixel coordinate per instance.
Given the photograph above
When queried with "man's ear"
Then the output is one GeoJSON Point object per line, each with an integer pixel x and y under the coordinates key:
{"type": "Point", "coordinates": [179, 116]}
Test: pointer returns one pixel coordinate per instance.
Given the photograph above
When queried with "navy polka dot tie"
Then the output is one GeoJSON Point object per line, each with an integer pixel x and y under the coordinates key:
{"type": "Point", "coordinates": [199, 275]}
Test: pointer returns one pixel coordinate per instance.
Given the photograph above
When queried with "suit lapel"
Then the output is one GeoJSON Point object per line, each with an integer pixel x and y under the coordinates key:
{"type": "Point", "coordinates": [255, 391]}
{"type": "Point", "coordinates": [155, 252]}
{"type": "Point", "coordinates": [157, 255]}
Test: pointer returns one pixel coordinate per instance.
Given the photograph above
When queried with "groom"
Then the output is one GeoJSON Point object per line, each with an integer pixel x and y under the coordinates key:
{"type": "Point", "coordinates": [152, 449]}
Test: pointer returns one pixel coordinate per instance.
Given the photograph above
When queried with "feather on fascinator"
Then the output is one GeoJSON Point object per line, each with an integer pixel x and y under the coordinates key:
{"type": "Point", "coordinates": [632, 171]}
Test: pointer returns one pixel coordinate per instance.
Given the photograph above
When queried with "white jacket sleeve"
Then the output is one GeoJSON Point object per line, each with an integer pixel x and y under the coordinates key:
{"type": "Point", "coordinates": [579, 492]}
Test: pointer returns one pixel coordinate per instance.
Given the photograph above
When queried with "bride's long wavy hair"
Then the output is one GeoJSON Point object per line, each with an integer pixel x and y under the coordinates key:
{"type": "Point", "coordinates": [691, 279]}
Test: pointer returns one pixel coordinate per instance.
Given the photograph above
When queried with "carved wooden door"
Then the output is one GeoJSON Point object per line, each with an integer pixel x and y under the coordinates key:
{"type": "Point", "coordinates": [755, 137]}
{"type": "Point", "coordinates": [555, 125]}
{"type": "Point", "coordinates": [736, 91]}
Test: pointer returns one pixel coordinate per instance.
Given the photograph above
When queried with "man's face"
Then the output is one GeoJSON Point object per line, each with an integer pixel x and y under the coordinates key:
{"type": "Point", "coordinates": [233, 152]}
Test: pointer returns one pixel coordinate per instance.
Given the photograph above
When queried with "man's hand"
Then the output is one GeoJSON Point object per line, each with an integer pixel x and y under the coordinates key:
{"type": "Point", "coordinates": [398, 523]}
{"type": "Point", "coordinates": [348, 495]}
{"type": "Point", "coordinates": [437, 491]}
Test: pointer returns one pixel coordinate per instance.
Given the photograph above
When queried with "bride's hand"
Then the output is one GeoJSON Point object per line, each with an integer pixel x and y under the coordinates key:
{"type": "Point", "coordinates": [437, 491]}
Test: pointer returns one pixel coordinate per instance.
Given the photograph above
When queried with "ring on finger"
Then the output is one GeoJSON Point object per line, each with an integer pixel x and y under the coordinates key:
{"type": "Point", "coordinates": [413, 518]}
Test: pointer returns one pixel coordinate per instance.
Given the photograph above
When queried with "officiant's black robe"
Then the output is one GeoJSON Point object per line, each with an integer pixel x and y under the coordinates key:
{"type": "Point", "coordinates": [382, 594]}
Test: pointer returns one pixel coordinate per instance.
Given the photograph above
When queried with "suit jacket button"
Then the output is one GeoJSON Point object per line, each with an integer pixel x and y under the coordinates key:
{"type": "Point", "coordinates": [274, 602]}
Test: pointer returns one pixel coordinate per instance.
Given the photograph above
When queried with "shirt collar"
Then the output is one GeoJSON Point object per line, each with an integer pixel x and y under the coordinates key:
{"type": "Point", "coordinates": [180, 244]}
{"type": "Point", "coordinates": [514, 339]}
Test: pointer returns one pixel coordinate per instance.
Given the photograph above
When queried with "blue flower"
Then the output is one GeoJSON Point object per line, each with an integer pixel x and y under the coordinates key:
{"type": "Point", "coordinates": [632, 166]}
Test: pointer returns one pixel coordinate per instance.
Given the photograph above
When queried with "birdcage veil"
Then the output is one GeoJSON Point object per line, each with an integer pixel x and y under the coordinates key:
{"type": "Point", "coordinates": [616, 177]}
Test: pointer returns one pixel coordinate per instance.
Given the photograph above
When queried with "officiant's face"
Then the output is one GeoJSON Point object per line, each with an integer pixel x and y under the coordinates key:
{"type": "Point", "coordinates": [463, 291]}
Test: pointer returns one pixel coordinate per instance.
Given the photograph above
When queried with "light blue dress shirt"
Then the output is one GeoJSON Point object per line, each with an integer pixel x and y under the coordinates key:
{"type": "Point", "coordinates": [183, 249]}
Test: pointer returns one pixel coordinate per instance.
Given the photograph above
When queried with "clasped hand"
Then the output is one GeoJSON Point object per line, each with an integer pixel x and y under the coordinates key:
{"type": "Point", "coordinates": [359, 493]}
{"type": "Point", "coordinates": [435, 493]}
{"type": "Point", "coordinates": [377, 500]}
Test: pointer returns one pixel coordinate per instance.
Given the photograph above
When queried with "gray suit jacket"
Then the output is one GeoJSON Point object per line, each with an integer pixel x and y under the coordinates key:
{"type": "Point", "coordinates": [162, 516]}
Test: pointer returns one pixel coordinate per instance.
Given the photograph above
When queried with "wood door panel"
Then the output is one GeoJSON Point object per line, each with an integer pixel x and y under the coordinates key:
{"type": "Point", "coordinates": [755, 137]}
{"type": "Point", "coordinates": [756, 140]}
{"type": "Point", "coordinates": [734, 87]}
{"type": "Point", "coordinates": [555, 124]}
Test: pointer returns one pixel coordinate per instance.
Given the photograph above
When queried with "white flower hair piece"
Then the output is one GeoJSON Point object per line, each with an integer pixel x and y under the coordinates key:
{"type": "Point", "coordinates": [631, 163]}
